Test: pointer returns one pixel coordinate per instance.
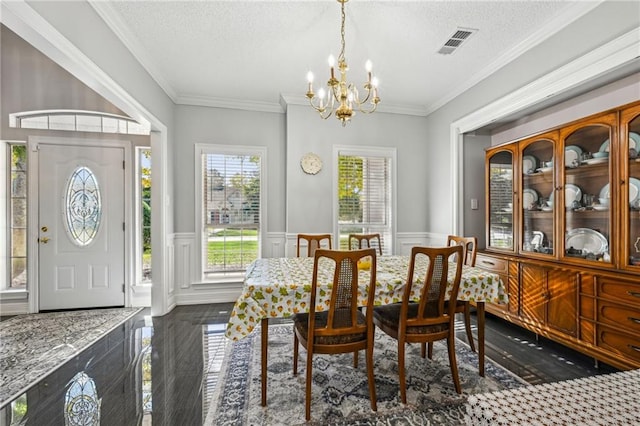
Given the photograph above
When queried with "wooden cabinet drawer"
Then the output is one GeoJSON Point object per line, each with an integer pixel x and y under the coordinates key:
{"type": "Point", "coordinates": [625, 345]}
{"type": "Point", "coordinates": [493, 264]}
{"type": "Point", "coordinates": [626, 292]}
{"type": "Point", "coordinates": [619, 316]}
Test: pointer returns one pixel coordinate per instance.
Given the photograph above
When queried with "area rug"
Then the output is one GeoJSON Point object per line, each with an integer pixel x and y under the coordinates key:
{"type": "Point", "coordinates": [34, 345]}
{"type": "Point", "coordinates": [340, 394]}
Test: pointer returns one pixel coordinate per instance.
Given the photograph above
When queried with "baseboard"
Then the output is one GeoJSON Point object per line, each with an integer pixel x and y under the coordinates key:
{"type": "Point", "coordinates": [14, 308]}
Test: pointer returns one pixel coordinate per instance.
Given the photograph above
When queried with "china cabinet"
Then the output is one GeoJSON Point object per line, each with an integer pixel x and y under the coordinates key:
{"type": "Point", "coordinates": [563, 232]}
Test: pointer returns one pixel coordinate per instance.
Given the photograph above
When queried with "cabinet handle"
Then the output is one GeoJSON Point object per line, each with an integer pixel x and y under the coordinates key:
{"type": "Point", "coordinates": [633, 293]}
{"type": "Point", "coordinates": [632, 319]}
{"type": "Point", "coordinates": [635, 348]}
{"type": "Point", "coordinates": [486, 262]}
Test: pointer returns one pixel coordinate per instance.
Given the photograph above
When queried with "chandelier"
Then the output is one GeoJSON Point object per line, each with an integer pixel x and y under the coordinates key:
{"type": "Point", "coordinates": [340, 96]}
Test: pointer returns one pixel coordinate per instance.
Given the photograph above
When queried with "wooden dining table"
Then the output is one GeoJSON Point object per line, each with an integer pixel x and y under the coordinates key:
{"type": "Point", "coordinates": [280, 288]}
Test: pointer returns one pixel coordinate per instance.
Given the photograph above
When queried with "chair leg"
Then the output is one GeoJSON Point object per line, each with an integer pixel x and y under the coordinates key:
{"type": "Point", "coordinates": [423, 349]}
{"type": "Point", "coordinates": [402, 379]}
{"type": "Point", "coordinates": [467, 325]}
{"type": "Point", "coordinates": [355, 359]}
{"type": "Point", "coordinates": [430, 352]}
{"type": "Point", "coordinates": [371, 377]}
{"type": "Point", "coordinates": [307, 402]}
{"type": "Point", "coordinates": [295, 353]}
{"type": "Point", "coordinates": [452, 362]}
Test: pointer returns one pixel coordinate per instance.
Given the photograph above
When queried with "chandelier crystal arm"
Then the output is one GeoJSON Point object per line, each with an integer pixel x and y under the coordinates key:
{"type": "Point", "coordinates": [342, 95]}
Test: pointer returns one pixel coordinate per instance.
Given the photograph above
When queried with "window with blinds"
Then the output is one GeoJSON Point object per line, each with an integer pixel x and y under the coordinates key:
{"type": "Point", "coordinates": [231, 211]}
{"type": "Point", "coordinates": [364, 197]}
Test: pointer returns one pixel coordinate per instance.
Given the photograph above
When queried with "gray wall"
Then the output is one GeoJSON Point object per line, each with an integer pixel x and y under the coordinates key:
{"type": "Point", "coordinates": [31, 81]}
{"type": "Point", "coordinates": [603, 24]}
{"type": "Point", "coordinates": [228, 127]}
{"type": "Point", "coordinates": [612, 95]}
{"type": "Point", "coordinates": [309, 198]}
{"type": "Point", "coordinates": [474, 186]}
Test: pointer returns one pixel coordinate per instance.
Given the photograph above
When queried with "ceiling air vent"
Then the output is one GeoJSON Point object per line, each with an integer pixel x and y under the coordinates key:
{"type": "Point", "coordinates": [456, 40]}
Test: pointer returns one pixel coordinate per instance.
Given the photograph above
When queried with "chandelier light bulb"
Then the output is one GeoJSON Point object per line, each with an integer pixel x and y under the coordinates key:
{"type": "Point", "coordinates": [368, 66]}
{"type": "Point", "coordinates": [332, 61]}
{"type": "Point", "coordinates": [321, 94]}
{"type": "Point", "coordinates": [310, 77]}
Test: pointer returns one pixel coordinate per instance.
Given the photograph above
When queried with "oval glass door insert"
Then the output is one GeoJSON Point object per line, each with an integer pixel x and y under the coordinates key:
{"type": "Point", "coordinates": [83, 207]}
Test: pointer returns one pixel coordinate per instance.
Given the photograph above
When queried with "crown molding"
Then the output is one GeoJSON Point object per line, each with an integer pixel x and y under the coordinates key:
{"type": "Point", "coordinates": [114, 21]}
{"type": "Point", "coordinates": [594, 64]}
{"type": "Point", "coordinates": [209, 101]}
{"type": "Point", "coordinates": [417, 110]}
{"type": "Point", "coordinates": [551, 27]}
{"type": "Point", "coordinates": [608, 57]}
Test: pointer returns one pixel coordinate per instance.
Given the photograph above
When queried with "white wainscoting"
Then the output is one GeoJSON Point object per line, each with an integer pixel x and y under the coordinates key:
{"type": "Point", "coordinates": [406, 240]}
{"type": "Point", "coordinates": [190, 289]}
{"type": "Point", "coordinates": [184, 250]}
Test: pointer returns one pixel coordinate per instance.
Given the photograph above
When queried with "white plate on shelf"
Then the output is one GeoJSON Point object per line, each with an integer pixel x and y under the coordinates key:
{"type": "Point", "coordinates": [572, 155]}
{"type": "Point", "coordinates": [634, 142]}
{"type": "Point", "coordinates": [596, 160]}
{"type": "Point", "coordinates": [529, 197]}
{"type": "Point", "coordinates": [634, 191]}
{"type": "Point", "coordinates": [600, 207]}
{"type": "Point", "coordinates": [587, 240]}
{"type": "Point", "coordinates": [571, 193]}
{"type": "Point", "coordinates": [529, 164]}
{"type": "Point", "coordinates": [544, 169]}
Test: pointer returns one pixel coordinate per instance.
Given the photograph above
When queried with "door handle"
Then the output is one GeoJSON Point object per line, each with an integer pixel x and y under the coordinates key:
{"type": "Point", "coordinates": [43, 240]}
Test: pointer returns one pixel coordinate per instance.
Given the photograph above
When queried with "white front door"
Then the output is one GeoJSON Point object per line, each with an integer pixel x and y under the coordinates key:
{"type": "Point", "coordinates": [81, 226]}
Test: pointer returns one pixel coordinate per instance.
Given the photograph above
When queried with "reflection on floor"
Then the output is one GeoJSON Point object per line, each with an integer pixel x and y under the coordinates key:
{"type": "Point", "coordinates": [163, 371]}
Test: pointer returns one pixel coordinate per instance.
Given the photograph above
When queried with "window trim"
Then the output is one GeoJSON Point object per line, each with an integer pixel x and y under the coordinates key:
{"type": "Point", "coordinates": [6, 291]}
{"type": "Point", "coordinates": [210, 148]}
{"type": "Point", "coordinates": [367, 151]}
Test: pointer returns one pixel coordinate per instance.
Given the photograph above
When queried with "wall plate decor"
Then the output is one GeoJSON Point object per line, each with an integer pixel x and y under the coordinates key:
{"type": "Point", "coordinates": [311, 163]}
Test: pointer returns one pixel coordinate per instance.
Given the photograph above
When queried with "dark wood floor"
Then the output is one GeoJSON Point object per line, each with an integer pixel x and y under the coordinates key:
{"type": "Point", "coordinates": [163, 370]}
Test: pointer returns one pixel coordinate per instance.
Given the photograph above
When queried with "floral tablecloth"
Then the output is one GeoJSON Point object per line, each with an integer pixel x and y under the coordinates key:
{"type": "Point", "coordinates": [280, 287]}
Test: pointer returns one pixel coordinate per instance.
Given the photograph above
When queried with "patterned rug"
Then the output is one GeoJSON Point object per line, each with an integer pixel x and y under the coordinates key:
{"type": "Point", "coordinates": [340, 394]}
{"type": "Point", "coordinates": [34, 345]}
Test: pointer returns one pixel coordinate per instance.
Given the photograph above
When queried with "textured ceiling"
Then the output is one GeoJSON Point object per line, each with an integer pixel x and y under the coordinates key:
{"type": "Point", "coordinates": [247, 54]}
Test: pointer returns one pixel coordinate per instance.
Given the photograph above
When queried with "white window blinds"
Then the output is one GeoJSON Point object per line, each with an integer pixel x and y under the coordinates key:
{"type": "Point", "coordinates": [231, 211]}
{"type": "Point", "coordinates": [364, 197]}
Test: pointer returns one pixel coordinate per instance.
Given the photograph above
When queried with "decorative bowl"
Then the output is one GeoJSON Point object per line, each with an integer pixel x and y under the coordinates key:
{"type": "Point", "coordinates": [600, 154]}
{"type": "Point", "coordinates": [604, 201]}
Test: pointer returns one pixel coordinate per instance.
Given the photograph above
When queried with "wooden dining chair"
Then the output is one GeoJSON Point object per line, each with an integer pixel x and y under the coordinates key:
{"type": "Point", "coordinates": [360, 241]}
{"type": "Point", "coordinates": [428, 319]}
{"type": "Point", "coordinates": [339, 327]}
{"type": "Point", "coordinates": [469, 250]}
{"type": "Point", "coordinates": [314, 242]}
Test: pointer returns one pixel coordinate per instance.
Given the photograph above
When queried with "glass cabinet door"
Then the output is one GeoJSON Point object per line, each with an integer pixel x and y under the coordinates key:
{"type": "Point", "coordinates": [537, 219]}
{"type": "Point", "coordinates": [630, 199]}
{"type": "Point", "coordinates": [587, 195]}
{"type": "Point", "coordinates": [500, 205]}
